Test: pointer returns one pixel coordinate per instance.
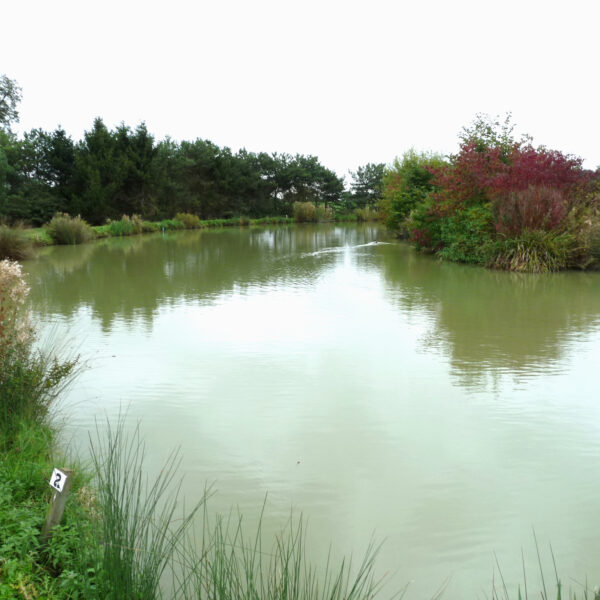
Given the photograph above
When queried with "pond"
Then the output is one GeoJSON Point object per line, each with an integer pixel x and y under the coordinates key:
{"type": "Point", "coordinates": [447, 410]}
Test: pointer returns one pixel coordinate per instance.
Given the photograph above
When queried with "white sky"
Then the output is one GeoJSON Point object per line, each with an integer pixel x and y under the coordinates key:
{"type": "Point", "coordinates": [349, 82]}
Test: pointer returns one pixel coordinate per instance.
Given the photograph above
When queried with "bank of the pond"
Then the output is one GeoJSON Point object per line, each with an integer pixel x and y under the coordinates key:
{"type": "Point", "coordinates": [17, 243]}
{"type": "Point", "coordinates": [104, 546]}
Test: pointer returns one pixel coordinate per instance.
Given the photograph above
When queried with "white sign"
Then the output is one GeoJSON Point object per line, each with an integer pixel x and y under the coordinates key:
{"type": "Point", "coordinates": [57, 481]}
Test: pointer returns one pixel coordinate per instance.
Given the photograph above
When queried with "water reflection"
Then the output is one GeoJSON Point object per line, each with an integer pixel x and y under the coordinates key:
{"type": "Point", "coordinates": [131, 278]}
{"type": "Point", "coordinates": [332, 372]}
{"type": "Point", "coordinates": [491, 322]}
{"type": "Point", "coordinates": [486, 322]}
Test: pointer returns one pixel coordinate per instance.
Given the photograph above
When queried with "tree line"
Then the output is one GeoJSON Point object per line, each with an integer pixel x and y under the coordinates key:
{"type": "Point", "coordinates": [111, 172]}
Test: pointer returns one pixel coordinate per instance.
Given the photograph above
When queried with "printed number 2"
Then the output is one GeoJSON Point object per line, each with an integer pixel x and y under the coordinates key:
{"type": "Point", "coordinates": [57, 480]}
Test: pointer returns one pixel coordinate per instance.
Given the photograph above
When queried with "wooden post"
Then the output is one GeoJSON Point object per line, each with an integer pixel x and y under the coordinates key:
{"type": "Point", "coordinates": [57, 507]}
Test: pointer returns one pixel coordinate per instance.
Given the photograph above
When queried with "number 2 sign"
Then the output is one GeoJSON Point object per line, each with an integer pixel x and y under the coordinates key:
{"type": "Point", "coordinates": [57, 481]}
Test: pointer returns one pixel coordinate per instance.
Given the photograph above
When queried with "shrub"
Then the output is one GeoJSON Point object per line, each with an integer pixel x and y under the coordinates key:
{"type": "Point", "coordinates": [408, 183]}
{"type": "Point", "coordinates": [168, 224]}
{"type": "Point", "coordinates": [126, 226]}
{"type": "Point", "coordinates": [366, 214]}
{"type": "Point", "coordinates": [29, 380]}
{"type": "Point", "coordinates": [64, 229]}
{"type": "Point", "coordinates": [583, 223]}
{"type": "Point", "coordinates": [323, 213]}
{"type": "Point", "coordinates": [14, 244]}
{"type": "Point", "coordinates": [466, 236]}
{"type": "Point", "coordinates": [307, 212]}
{"type": "Point", "coordinates": [189, 221]}
{"type": "Point", "coordinates": [149, 227]}
{"type": "Point", "coordinates": [304, 212]}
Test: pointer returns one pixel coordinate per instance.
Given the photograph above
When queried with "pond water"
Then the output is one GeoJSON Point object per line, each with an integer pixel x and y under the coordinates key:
{"type": "Point", "coordinates": [449, 410]}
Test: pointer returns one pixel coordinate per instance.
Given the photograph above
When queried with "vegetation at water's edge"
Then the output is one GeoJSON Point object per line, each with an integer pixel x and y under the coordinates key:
{"type": "Point", "coordinates": [499, 202]}
{"type": "Point", "coordinates": [17, 243]}
{"type": "Point", "coordinates": [123, 537]}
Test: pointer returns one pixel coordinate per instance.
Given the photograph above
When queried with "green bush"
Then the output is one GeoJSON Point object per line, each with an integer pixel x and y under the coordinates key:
{"type": "Point", "coordinates": [170, 224]}
{"type": "Point", "coordinates": [149, 227]}
{"type": "Point", "coordinates": [189, 221]}
{"type": "Point", "coordinates": [126, 226]}
{"type": "Point", "coordinates": [407, 184]}
{"type": "Point", "coordinates": [304, 212]}
{"type": "Point", "coordinates": [14, 244]}
{"type": "Point", "coordinates": [64, 229]}
{"type": "Point", "coordinates": [466, 235]}
{"type": "Point", "coordinates": [307, 212]}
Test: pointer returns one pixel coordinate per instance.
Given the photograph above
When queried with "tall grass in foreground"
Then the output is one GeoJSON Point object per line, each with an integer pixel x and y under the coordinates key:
{"type": "Point", "coordinates": [146, 548]}
{"type": "Point", "coordinates": [227, 565]}
{"type": "Point", "coordinates": [138, 528]}
{"type": "Point", "coordinates": [550, 582]}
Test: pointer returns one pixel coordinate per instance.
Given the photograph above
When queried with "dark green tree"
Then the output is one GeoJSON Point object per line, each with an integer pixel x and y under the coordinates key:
{"type": "Point", "coordinates": [367, 184]}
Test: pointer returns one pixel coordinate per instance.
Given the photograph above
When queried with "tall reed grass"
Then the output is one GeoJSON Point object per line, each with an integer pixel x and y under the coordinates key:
{"type": "Point", "coordinates": [534, 251]}
{"type": "Point", "coordinates": [14, 244]}
{"type": "Point", "coordinates": [29, 379]}
{"type": "Point", "coordinates": [226, 564]}
{"type": "Point", "coordinates": [67, 230]}
{"type": "Point", "coordinates": [139, 524]}
{"type": "Point", "coordinates": [307, 212]}
{"type": "Point", "coordinates": [147, 548]}
{"type": "Point", "coordinates": [126, 226]}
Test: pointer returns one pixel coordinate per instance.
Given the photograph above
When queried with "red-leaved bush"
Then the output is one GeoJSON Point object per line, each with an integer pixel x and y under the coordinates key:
{"type": "Point", "coordinates": [511, 180]}
{"type": "Point", "coordinates": [539, 207]}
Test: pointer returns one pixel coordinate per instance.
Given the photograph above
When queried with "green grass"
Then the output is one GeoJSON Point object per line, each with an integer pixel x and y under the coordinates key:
{"type": "Point", "coordinates": [227, 564]}
{"type": "Point", "coordinates": [533, 252]}
{"type": "Point", "coordinates": [63, 232]}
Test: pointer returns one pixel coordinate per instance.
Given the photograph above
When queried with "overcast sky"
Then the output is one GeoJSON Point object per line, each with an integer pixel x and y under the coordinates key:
{"type": "Point", "coordinates": [349, 82]}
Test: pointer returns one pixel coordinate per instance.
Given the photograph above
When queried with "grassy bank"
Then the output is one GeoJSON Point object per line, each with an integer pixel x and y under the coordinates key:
{"type": "Point", "coordinates": [17, 243]}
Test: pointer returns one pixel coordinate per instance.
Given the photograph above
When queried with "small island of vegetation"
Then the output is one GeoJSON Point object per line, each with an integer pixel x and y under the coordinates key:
{"type": "Point", "coordinates": [499, 202]}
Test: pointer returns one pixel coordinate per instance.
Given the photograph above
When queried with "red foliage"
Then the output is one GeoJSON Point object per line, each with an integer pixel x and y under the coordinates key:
{"type": "Point", "coordinates": [537, 207]}
{"type": "Point", "coordinates": [496, 175]}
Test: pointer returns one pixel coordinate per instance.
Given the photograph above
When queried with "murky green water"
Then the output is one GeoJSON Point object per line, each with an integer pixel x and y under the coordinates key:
{"type": "Point", "coordinates": [444, 408]}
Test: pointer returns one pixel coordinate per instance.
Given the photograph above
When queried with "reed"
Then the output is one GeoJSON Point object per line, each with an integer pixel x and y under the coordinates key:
{"type": "Point", "coordinates": [14, 244]}
{"type": "Point", "coordinates": [227, 565]}
{"type": "Point", "coordinates": [67, 230]}
{"type": "Point", "coordinates": [138, 529]}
